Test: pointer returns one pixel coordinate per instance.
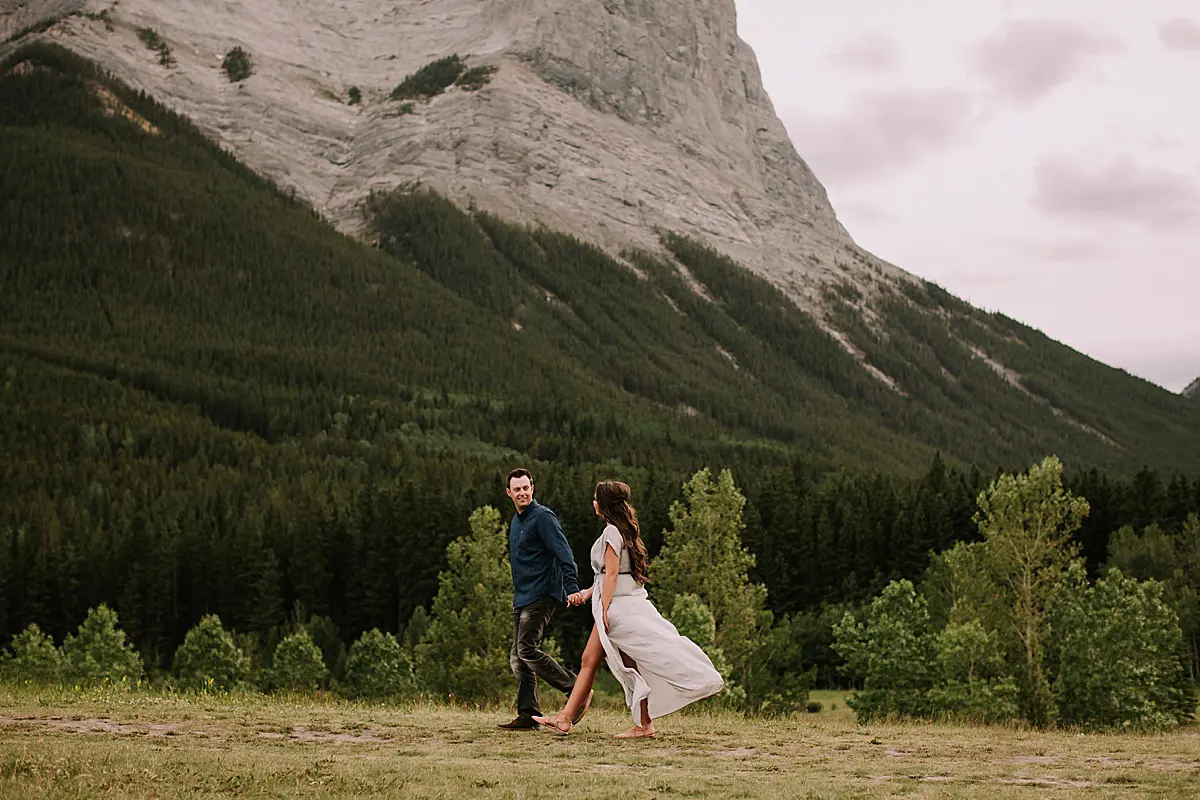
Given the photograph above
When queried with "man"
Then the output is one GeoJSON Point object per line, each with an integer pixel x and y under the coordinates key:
{"type": "Point", "coordinates": [544, 574]}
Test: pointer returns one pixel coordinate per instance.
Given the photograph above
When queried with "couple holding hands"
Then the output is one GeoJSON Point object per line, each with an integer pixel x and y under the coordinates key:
{"type": "Point", "coordinates": [660, 670]}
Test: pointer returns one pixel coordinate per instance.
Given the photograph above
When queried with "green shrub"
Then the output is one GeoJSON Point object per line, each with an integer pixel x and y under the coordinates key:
{"type": "Point", "coordinates": [98, 652]}
{"type": "Point", "coordinates": [974, 685]}
{"type": "Point", "coordinates": [297, 665]}
{"type": "Point", "coordinates": [209, 658]}
{"type": "Point", "coordinates": [355, 96]}
{"type": "Point", "coordinates": [813, 707]}
{"type": "Point", "coordinates": [33, 658]}
{"type": "Point", "coordinates": [975, 701]}
{"type": "Point", "coordinates": [779, 675]}
{"type": "Point", "coordinates": [693, 619]}
{"type": "Point", "coordinates": [892, 651]}
{"type": "Point", "coordinates": [237, 66]}
{"type": "Point", "coordinates": [377, 667]}
{"type": "Point", "coordinates": [431, 79]}
{"type": "Point", "coordinates": [1118, 654]}
{"type": "Point", "coordinates": [476, 78]}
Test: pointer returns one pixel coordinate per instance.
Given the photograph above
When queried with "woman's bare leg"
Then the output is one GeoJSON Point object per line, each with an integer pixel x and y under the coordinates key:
{"type": "Point", "coordinates": [638, 731]}
{"type": "Point", "coordinates": [593, 657]}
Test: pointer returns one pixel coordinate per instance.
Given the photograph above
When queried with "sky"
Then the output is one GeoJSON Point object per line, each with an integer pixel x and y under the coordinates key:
{"type": "Point", "coordinates": [1040, 158]}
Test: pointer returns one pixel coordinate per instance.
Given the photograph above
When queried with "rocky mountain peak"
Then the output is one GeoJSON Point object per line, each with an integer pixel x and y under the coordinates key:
{"type": "Point", "coordinates": [609, 119]}
{"type": "Point", "coordinates": [1193, 390]}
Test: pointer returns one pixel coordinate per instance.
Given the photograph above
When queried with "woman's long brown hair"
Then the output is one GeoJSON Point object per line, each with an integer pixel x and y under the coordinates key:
{"type": "Point", "coordinates": [613, 499]}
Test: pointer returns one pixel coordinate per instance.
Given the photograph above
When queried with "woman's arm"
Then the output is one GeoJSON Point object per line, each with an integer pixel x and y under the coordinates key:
{"type": "Point", "coordinates": [612, 566]}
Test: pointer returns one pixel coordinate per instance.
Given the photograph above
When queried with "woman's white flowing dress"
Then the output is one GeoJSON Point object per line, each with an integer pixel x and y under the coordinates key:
{"type": "Point", "coordinates": [672, 671]}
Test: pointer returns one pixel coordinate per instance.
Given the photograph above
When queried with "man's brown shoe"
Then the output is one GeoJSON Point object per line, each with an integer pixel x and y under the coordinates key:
{"type": "Point", "coordinates": [586, 705]}
{"type": "Point", "coordinates": [519, 724]}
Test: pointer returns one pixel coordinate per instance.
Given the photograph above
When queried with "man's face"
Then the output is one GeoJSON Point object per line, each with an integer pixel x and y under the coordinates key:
{"type": "Point", "coordinates": [520, 491]}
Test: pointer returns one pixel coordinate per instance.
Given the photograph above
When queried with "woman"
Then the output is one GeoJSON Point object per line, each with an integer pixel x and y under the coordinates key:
{"type": "Point", "coordinates": [660, 670]}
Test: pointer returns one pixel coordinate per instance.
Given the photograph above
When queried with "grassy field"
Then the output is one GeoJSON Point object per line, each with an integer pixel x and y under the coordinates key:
{"type": "Point", "coordinates": [66, 743]}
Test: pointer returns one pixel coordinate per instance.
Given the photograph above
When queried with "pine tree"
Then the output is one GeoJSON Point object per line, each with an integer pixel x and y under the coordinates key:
{"type": "Point", "coordinates": [465, 650]}
{"type": "Point", "coordinates": [32, 658]}
{"type": "Point", "coordinates": [702, 555]}
{"type": "Point", "coordinates": [209, 659]}
{"type": "Point", "coordinates": [297, 665]}
{"type": "Point", "coordinates": [98, 652]}
{"type": "Point", "coordinates": [267, 609]}
{"type": "Point", "coordinates": [1027, 522]}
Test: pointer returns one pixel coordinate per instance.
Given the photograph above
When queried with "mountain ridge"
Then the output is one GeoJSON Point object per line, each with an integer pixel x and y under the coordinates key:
{"type": "Point", "coordinates": [607, 120]}
{"type": "Point", "coordinates": [717, 350]}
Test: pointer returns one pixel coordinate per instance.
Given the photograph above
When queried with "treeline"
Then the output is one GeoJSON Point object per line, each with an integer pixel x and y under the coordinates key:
{"type": "Point", "coordinates": [166, 518]}
{"type": "Point", "coordinates": [1007, 627]}
{"type": "Point", "coordinates": [458, 650]}
{"type": "Point", "coordinates": [1011, 627]}
{"type": "Point", "coordinates": [838, 537]}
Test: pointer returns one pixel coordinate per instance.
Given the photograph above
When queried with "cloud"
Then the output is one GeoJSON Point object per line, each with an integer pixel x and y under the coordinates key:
{"type": "Point", "coordinates": [883, 133]}
{"type": "Point", "coordinates": [1073, 252]}
{"type": "Point", "coordinates": [872, 52]}
{"type": "Point", "coordinates": [1122, 191]}
{"type": "Point", "coordinates": [1029, 58]}
{"type": "Point", "coordinates": [1180, 34]}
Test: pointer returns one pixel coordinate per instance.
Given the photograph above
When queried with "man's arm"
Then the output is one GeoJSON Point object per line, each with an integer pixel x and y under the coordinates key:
{"type": "Point", "coordinates": [552, 536]}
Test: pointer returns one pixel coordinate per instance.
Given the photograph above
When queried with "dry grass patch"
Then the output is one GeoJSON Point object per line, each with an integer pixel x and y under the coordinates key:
{"type": "Point", "coordinates": [73, 744]}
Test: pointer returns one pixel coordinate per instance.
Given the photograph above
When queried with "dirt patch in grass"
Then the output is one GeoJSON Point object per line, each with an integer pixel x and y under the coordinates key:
{"type": "Point", "coordinates": [303, 734]}
{"type": "Point", "coordinates": [1059, 782]}
{"type": "Point", "coordinates": [93, 726]}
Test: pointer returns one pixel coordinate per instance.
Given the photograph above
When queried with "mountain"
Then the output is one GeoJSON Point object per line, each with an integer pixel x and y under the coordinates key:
{"type": "Point", "coordinates": [639, 127]}
{"type": "Point", "coordinates": [1193, 389]}
{"type": "Point", "coordinates": [606, 120]}
{"type": "Point", "coordinates": [170, 268]}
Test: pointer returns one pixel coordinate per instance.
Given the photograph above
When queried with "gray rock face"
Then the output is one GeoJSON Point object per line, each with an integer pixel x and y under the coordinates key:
{"type": "Point", "coordinates": [607, 118]}
{"type": "Point", "coordinates": [1193, 390]}
{"type": "Point", "coordinates": [16, 15]}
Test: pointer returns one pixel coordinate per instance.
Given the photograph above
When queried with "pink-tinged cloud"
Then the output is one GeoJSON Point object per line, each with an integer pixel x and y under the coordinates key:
{"type": "Point", "coordinates": [883, 133]}
{"type": "Point", "coordinates": [1029, 58]}
{"type": "Point", "coordinates": [1073, 252]}
{"type": "Point", "coordinates": [872, 52]}
{"type": "Point", "coordinates": [1180, 34]}
{"type": "Point", "coordinates": [1120, 191]}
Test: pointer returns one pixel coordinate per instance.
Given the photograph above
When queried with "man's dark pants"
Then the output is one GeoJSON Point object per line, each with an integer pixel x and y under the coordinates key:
{"type": "Point", "coordinates": [529, 661]}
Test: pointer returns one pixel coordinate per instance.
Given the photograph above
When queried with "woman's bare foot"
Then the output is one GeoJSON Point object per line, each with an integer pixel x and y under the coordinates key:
{"type": "Point", "coordinates": [557, 724]}
{"type": "Point", "coordinates": [636, 732]}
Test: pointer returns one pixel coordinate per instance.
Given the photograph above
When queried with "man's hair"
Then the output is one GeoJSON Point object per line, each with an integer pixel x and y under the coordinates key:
{"type": "Point", "coordinates": [519, 472]}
